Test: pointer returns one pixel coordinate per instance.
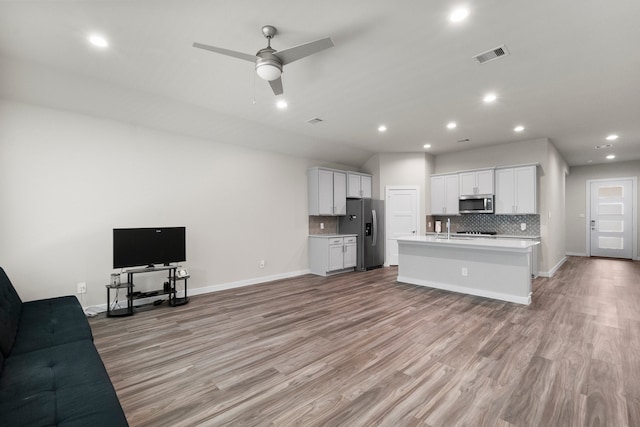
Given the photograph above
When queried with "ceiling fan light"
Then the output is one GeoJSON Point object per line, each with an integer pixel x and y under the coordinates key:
{"type": "Point", "coordinates": [268, 71]}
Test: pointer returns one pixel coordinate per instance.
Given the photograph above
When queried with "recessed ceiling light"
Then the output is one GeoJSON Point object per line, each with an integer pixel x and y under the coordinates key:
{"type": "Point", "coordinates": [459, 14]}
{"type": "Point", "coordinates": [611, 157]}
{"type": "Point", "coordinates": [382, 128]}
{"type": "Point", "coordinates": [518, 128]}
{"type": "Point", "coordinates": [98, 40]}
{"type": "Point", "coordinates": [489, 98]}
{"type": "Point", "coordinates": [451, 125]}
{"type": "Point", "coordinates": [427, 145]}
{"type": "Point", "coordinates": [612, 137]}
{"type": "Point", "coordinates": [282, 104]}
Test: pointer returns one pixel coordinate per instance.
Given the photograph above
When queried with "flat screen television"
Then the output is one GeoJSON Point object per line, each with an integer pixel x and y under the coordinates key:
{"type": "Point", "coordinates": [135, 247]}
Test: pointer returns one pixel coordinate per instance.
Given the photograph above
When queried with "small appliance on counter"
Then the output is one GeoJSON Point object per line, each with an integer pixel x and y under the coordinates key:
{"type": "Point", "coordinates": [365, 217]}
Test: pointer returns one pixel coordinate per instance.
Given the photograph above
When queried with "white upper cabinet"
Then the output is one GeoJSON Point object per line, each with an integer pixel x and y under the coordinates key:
{"type": "Point", "coordinates": [327, 192]}
{"type": "Point", "coordinates": [516, 190]}
{"type": "Point", "coordinates": [358, 186]}
{"type": "Point", "coordinates": [444, 194]}
{"type": "Point", "coordinates": [476, 182]}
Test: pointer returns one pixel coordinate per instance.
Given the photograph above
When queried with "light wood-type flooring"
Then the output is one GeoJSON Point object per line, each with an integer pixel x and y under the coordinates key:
{"type": "Point", "coordinates": [361, 349]}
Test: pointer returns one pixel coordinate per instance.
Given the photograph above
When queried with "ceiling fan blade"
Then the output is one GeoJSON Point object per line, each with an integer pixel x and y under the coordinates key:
{"type": "Point", "coordinates": [287, 56]}
{"type": "Point", "coordinates": [227, 52]}
{"type": "Point", "coordinates": [276, 86]}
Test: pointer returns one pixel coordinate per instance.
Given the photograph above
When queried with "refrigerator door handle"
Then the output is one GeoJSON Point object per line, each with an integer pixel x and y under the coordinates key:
{"type": "Point", "coordinates": [375, 226]}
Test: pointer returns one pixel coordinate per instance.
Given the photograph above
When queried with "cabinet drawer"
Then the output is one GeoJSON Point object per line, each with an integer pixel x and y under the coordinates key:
{"type": "Point", "coordinates": [350, 239]}
{"type": "Point", "coordinates": [336, 241]}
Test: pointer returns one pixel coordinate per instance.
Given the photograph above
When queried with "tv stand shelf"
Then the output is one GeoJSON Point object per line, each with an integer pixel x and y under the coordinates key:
{"type": "Point", "coordinates": [115, 310]}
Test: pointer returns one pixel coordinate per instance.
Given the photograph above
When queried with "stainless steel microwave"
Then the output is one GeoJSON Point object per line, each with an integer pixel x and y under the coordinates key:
{"type": "Point", "coordinates": [476, 204]}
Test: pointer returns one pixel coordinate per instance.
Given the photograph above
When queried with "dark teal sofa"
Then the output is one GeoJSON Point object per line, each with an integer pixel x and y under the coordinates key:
{"type": "Point", "coordinates": [50, 371]}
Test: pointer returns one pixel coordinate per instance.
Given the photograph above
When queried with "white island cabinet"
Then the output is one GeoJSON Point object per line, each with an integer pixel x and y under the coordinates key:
{"type": "Point", "coordinates": [331, 254]}
{"type": "Point", "coordinates": [491, 268]}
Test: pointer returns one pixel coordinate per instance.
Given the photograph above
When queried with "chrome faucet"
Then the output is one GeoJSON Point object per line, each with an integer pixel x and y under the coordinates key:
{"type": "Point", "coordinates": [448, 228]}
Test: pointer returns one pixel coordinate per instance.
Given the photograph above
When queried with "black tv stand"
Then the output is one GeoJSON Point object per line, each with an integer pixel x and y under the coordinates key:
{"type": "Point", "coordinates": [115, 310]}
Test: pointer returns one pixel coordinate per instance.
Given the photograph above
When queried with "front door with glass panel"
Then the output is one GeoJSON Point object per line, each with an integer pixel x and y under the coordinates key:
{"type": "Point", "coordinates": [611, 218]}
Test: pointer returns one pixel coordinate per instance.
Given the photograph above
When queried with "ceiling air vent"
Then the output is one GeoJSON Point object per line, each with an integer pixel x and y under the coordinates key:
{"type": "Point", "coordinates": [314, 121]}
{"type": "Point", "coordinates": [464, 140]}
{"type": "Point", "coordinates": [492, 54]}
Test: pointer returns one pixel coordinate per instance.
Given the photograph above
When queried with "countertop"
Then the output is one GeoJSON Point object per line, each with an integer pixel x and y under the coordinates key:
{"type": "Point", "coordinates": [331, 236]}
{"type": "Point", "coordinates": [472, 242]}
{"type": "Point", "coordinates": [476, 236]}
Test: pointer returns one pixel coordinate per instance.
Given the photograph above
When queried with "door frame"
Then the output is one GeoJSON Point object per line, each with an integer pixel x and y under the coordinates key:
{"type": "Point", "coordinates": [387, 189]}
{"type": "Point", "coordinates": [634, 205]}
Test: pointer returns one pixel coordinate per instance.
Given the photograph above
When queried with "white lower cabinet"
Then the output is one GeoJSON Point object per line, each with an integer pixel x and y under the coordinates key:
{"type": "Point", "coordinates": [332, 254]}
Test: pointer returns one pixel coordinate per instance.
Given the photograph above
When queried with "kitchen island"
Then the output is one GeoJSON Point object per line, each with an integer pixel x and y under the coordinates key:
{"type": "Point", "coordinates": [491, 268]}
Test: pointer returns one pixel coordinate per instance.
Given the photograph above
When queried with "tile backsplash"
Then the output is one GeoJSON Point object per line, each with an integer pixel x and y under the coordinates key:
{"type": "Point", "coordinates": [502, 224]}
{"type": "Point", "coordinates": [330, 224]}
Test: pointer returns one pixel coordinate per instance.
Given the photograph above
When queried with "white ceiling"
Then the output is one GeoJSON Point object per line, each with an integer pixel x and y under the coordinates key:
{"type": "Point", "coordinates": [573, 74]}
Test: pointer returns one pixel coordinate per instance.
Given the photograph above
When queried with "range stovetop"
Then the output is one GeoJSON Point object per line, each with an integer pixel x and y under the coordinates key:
{"type": "Point", "coordinates": [486, 233]}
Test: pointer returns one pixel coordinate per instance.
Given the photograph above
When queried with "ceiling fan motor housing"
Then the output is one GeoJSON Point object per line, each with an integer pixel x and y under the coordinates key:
{"type": "Point", "coordinates": [268, 66]}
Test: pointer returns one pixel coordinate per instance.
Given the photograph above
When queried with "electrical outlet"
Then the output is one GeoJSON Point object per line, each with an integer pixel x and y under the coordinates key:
{"type": "Point", "coordinates": [523, 226]}
{"type": "Point", "coordinates": [465, 272]}
{"type": "Point", "coordinates": [82, 287]}
{"type": "Point", "coordinates": [322, 226]}
{"type": "Point", "coordinates": [261, 265]}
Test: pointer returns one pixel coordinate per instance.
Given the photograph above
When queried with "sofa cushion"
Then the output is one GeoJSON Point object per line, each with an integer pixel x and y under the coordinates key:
{"type": "Point", "coordinates": [10, 307]}
{"type": "Point", "coordinates": [50, 322]}
{"type": "Point", "coordinates": [65, 385]}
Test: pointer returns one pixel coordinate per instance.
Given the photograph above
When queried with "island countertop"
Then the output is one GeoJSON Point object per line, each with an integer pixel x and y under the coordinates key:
{"type": "Point", "coordinates": [496, 244]}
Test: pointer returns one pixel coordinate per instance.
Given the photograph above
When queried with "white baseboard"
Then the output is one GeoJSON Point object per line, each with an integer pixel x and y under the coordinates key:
{"type": "Point", "coordinates": [248, 282]}
{"type": "Point", "coordinates": [576, 254]}
{"type": "Point", "coordinates": [95, 309]}
{"type": "Point", "coordinates": [470, 291]}
{"type": "Point", "coordinates": [554, 269]}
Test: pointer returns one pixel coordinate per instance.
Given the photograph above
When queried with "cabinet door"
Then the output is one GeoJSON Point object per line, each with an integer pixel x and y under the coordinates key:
{"type": "Point", "coordinates": [339, 193]}
{"type": "Point", "coordinates": [468, 184]}
{"type": "Point", "coordinates": [437, 195]}
{"type": "Point", "coordinates": [350, 255]}
{"type": "Point", "coordinates": [484, 182]}
{"type": "Point", "coordinates": [365, 187]}
{"type": "Point", "coordinates": [354, 188]}
{"type": "Point", "coordinates": [325, 192]}
{"type": "Point", "coordinates": [505, 190]}
{"type": "Point", "coordinates": [525, 190]}
{"type": "Point", "coordinates": [452, 196]}
{"type": "Point", "coordinates": [336, 257]}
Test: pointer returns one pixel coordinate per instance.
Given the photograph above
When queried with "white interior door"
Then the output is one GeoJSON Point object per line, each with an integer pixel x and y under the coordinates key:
{"type": "Point", "coordinates": [402, 218]}
{"type": "Point", "coordinates": [611, 218]}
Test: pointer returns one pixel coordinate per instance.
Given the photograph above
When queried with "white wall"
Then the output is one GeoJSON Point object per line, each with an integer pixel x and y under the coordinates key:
{"type": "Point", "coordinates": [66, 180]}
{"type": "Point", "coordinates": [556, 172]}
{"type": "Point", "coordinates": [400, 169]}
{"type": "Point", "coordinates": [576, 198]}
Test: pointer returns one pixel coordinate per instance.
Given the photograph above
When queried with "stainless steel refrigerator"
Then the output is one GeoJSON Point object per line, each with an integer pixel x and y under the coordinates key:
{"type": "Point", "coordinates": [365, 217]}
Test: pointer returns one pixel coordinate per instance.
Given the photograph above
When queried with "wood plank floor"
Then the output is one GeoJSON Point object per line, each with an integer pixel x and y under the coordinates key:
{"type": "Point", "coordinates": [360, 349]}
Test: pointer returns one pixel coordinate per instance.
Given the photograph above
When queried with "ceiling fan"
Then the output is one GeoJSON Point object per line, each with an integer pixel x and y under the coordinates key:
{"type": "Point", "coordinates": [269, 62]}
